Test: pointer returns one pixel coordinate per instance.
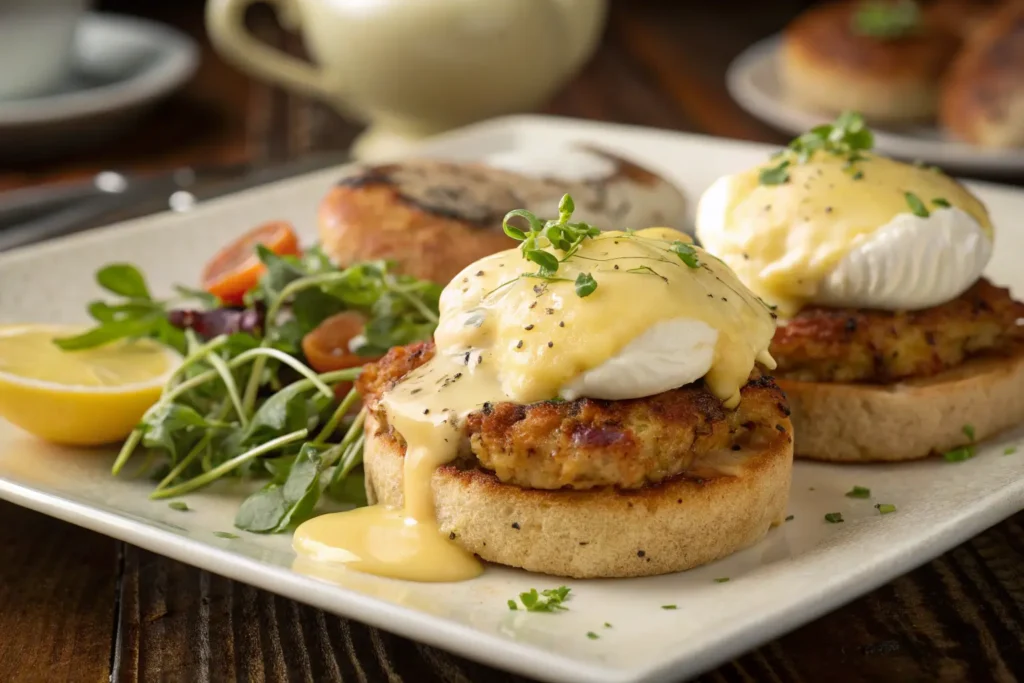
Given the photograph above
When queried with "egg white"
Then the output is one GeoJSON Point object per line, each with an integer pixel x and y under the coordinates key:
{"type": "Point", "coordinates": [667, 355]}
{"type": "Point", "coordinates": [911, 262]}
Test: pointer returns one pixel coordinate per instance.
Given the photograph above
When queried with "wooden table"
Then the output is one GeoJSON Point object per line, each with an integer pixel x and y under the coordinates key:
{"type": "Point", "coordinates": [76, 606]}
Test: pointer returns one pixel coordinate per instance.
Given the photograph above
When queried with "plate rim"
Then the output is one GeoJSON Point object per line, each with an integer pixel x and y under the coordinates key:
{"type": "Point", "coordinates": [769, 109]}
{"type": "Point", "coordinates": [178, 63]}
{"type": "Point", "coordinates": [465, 640]}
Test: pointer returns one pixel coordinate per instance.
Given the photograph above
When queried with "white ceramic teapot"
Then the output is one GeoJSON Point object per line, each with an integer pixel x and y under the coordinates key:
{"type": "Point", "coordinates": [416, 67]}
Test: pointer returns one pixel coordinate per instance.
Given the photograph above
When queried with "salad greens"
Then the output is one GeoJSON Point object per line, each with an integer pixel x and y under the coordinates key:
{"type": "Point", "coordinates": [244, 404]}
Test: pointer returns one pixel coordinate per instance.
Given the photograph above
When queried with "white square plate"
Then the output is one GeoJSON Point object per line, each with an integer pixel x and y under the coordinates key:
{"type": "Point", "coordinates": [803, 569]}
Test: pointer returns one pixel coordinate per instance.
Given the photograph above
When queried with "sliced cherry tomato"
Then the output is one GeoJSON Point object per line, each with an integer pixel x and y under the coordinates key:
{"type": "Point", "coordinates": [236, 269]}
{"type": "Point", "coordinates": [327, 347]}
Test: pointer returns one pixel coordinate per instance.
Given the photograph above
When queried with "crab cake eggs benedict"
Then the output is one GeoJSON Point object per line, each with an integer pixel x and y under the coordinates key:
{"type": "Point", "coordinates": [590, 406]}
{"type": "Point", "coordinates": [891, 344]}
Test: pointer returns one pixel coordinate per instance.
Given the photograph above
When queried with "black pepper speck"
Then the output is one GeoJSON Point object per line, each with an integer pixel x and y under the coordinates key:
{"type": "Point", "coordinates": [515, 525]}
{"type": "Point", "coordinates": [528, 327]}
{"type": "Point", "coordinates": [519, 344]}
{"type": "Point", "coordinates": [640, 553]}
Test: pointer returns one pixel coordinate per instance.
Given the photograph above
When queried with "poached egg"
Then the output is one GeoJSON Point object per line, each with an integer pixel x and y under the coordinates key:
{"type": "Point", "coordinates": [620, 315]}
{"type": "Point", "coordinates": [876, 233]}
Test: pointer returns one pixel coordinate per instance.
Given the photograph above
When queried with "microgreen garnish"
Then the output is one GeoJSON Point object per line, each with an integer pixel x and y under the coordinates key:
{"type": "Point", "coordinates": [917, 207]}
{"type": "Point", "coordinates": [560, 234]}
{"type": "Point", "coordinates": [959, 454]}
{"type": "Point", "coordinates": [941, 203]}
{"type": "Point", "coordinates": [968, 431]}
{"type": "Point", "coordinates": [886, 19]}
{"type": "Point", "coordinates": [178, 505]}
{"type": "Point", "coordinates": [846, 137]}
{"type": "Point", "coordinates": [686, 253]}
{"type": "Point", "coordinates": [668, 607]}
{"type": "Point", "coordinates": [548, 600]}
{"type": "Point", "coordinates": [1010, 450]}
{"type": "Point", "coordinates": [585, 285]}
{"type": "Point", "coordinates": [775, 175]}
{"type": "Point", "coordinates": [858, 492]}
{"type": "Point", "coordinates": [885, 508]}
{"type": "Point", "coordinates": [592, 635]}
{"type": "Point", "coordinates": [722, 579]}
{"type": "Point", "coordinates": [834, 517]}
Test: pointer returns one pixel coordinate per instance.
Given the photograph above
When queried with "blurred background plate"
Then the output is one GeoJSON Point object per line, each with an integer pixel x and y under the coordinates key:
{"type": "Point", "coordinates": [121, 67]}
{"type": "Point", "coordinates": [752, 80]}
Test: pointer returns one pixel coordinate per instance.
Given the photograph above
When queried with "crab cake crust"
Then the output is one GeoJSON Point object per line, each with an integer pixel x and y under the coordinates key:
{"type": "Point", "coordinates": [587, 443]}
{"type": "Point", "coordinates": [881, 347]}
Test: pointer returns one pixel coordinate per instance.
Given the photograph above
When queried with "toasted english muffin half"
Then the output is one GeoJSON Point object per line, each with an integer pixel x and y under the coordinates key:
{"type": "Point", "coordinates": [908, 420]}
{"type": "Point", "coordinates": [727, 501]}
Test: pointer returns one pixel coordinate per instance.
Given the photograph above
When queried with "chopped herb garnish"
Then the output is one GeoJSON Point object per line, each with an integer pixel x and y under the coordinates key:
{"type": "Point", "coordinates": [941, 203]}
{"type": "Point", "coordinates": [585, 285]}
{"type": "Point", "coordinates": [885, 19]}
{"type": "Point", "coordinates": [846, 137]}
{"type": "Point", "coordinates": [722, 580]}
{"type": "Point", "coordinates": [959, 454]}
{"type": "Point", "coordinates": [1010, 450]}
{"type": "Point", "coordinates": [592, 635]}
{"type": "Point", "coordinates": [668, 607]}
{"type": "Point", "coordinates": [775, 175]}
{"type": "Point", "coordinates": [917, 207]}
{"type": "Point", "coordinates": [548, 600]}
{"type": "Point", "coordinates": [178, 505]}
{"type": "Point", "coordinates": [686, 253]}
{"type": "Point", "coordinates": [607, 625]}
{"type": "Point", "coordinates": [969, 431]}
{"type": "Point", "coordinates": [885, 508]}
{"type": "Point", "coordinates": [858, 492]}
{"type": "Point", "coordinates": [834, 517]}
{"type": "Point", "coordinates": [224, 534]}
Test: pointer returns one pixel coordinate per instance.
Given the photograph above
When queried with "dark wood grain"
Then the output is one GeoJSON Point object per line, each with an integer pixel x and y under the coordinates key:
{"type": "Point", "coordinates": [75, 606]}
{"type": "Point", "coordinates": [57, 596]}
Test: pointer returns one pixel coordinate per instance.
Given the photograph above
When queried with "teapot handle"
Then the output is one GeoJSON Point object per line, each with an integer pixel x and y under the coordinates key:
{"type": "Point", "coordinates": [225, 23]}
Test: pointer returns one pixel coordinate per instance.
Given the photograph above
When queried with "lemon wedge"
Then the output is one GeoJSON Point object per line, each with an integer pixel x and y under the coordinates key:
{"type": "Point", "coordinates": [81, 398]}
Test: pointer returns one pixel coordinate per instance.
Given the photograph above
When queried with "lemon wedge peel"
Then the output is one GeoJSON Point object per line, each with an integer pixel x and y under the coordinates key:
{"type": "Point", "coordinates": [93, 406]}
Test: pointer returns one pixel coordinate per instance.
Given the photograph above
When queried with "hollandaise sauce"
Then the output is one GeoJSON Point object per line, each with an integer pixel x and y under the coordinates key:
{"type": "Point", "coordinates": [785, 237]}
{"type": "Point", "coordinates": [507, 333]}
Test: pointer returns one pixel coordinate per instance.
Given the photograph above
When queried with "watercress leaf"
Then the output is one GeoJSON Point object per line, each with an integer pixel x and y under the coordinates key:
{"type": "Point", "coordinates": [263, 511]}
{"type": "Point", "coordinates": [360, 286]}
{"type": "Point", "coordinates": [314, 261]}
{"type": "Point", "coordinates": [351, 489]}
{"type": "Point", "coordinates": [284, 411]}
{"type": "Point", "coordinates": [310, 307]}
{"type": "Point", "coordinates": [547, 262]}
{"type": "Point", "coordinates": [111, 331]}
{"type": "Point", "coordinates": [305, 471]}
{"type": "Point", "coordinates": [281, 270]}
{"type": "Point", "coordinates": [585, 285]}
{"type": "Point", "coordinates": [123, 279]}
{"type": "Point", "coordinates": [279, 467]}
{"type": "Point", "coordinates": [171, 427]}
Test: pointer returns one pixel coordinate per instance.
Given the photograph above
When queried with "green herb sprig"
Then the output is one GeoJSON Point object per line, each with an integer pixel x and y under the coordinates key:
{"type": "Point", "coordinates": [559, 233]}
{"type": "Point", "coordinates": [548, 600]}
{"type": "Point", "coordinates": [846, 137]}
{"type": "Point", "coordinates": [885, 19]}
